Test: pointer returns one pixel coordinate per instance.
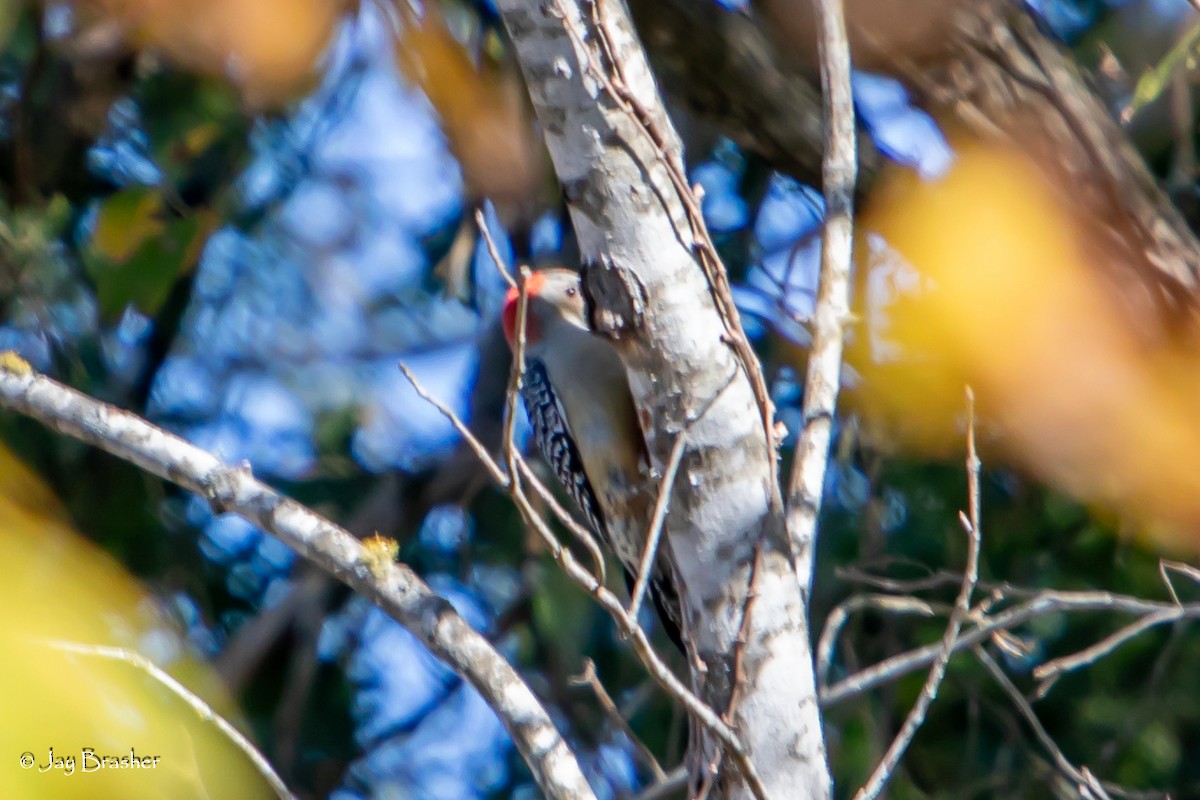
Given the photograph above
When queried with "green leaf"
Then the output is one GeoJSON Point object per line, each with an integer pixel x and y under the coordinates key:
{"type": "Point", "coordinates": [126, 221]}
{"type": "Point", "coordinates": [137, 253]}
{"type": "Point", "coordinates": [1154, 81]}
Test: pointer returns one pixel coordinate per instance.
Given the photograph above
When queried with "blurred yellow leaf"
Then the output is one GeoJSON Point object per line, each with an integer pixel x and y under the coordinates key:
{"type": "Point", "coordinates": [269, 48]}
{"type": "Point", "coordinates": [58, 587]}
{"type": "Point", "coordinates": [196, 140]}
{"type": "Point", "coordinates": [483, 109]}
{"type": "Point", "coordinates": [1008, 304]}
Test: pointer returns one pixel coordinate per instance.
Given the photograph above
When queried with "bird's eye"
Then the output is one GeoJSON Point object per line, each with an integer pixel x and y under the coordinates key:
{"type": "Point", "coordinates": [572, 291]}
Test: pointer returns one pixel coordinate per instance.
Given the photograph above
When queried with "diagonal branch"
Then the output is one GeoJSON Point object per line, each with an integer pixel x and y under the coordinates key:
{"type": "Point", "coordinates": [962, 608]}
{"type": "Point", "coordinates": [650, 552]}
{"type": "Point", "coordinates": [1046, 602]}
{"type": "Point", "coordinates": [1088, 786]}
{"type": "Point", "coordinates": [202, 709]}
{"type": "Point", "coordinates": [657, 668]}
{"type": "Point", "coordinates": [394, 587]}
{"type": "Point", "coordinates": [591, 679]}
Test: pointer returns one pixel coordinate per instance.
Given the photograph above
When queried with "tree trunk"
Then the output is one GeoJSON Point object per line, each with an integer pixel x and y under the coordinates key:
{"type": "Point", "coordinates": [744, 620]}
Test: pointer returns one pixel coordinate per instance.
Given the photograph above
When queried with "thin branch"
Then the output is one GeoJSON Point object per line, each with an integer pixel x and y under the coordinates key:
{"type": "Point", "coordinates": [498, 474]}
{"type": "Point", "coordinates": [1048, 674]}
{"type": "Point", "coordinates": [590, 679]}
{"type": "Point", "coordinates": [823, 378]}
{"type": "Point", "coordinates": [1084, 781]}
{"type": "Point", "coordinates": [582, 535]}
{"type": "Point", "coordinates": [202, 709]}
{"type": "Point", "coordinates": [641, 645]}
{"type": "Point", "coordinates": [394, 587]}
{"type": "Point", "coordinates": [515, 373]}
{"type": "Point", "coordinates": [501, 477]}
{"type": "Point", "coordinates": [493, 251]}
{"type": "Point", "coordinates": [739, 651]}
{"type": "Point", "coordinates": [1047, 602]}
{"type": "Point", "coordinates": [650, 551]}
{"type": "Point", "coordinates": [934, 580]}
{"type": "Point", "coordinates": [962, 606]}
{"type": "Point", "coordinates": [676, 779]}
{"type": "Point", "coordinates": [840, 615]}
{"type": "Point", "coordinates": [629, 626]}
{"type": "Point", "coordinates": [663, 502]}
{"type": "Point", "coordinates": [1166, 567]}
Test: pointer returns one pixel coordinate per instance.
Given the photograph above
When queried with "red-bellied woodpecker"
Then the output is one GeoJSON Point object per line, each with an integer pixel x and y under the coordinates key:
{"type": "Point", "coordinates": [585, 425]}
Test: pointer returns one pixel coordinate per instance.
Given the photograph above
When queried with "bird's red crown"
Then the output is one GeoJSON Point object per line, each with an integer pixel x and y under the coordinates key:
{"type": "Point", "coordinates": [508, 317]}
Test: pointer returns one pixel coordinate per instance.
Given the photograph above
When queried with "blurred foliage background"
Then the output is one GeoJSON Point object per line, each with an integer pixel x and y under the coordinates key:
{"type": "Point", "coordinates": [236, 217]}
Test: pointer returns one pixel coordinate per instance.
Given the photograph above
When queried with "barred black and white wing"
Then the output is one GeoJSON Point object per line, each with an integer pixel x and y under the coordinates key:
{"type": "Point", "coordinates": [557, 446]}
{"type": "Point", "coordinates": [552, 433]}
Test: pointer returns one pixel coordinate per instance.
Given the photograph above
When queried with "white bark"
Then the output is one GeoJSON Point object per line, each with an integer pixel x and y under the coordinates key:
{"type": "Point", "coordinates": [823, 377]}
{"type": "Point", "coordinates": [725, 531]}
{"type": "Point", "coordinates": [393, 587]}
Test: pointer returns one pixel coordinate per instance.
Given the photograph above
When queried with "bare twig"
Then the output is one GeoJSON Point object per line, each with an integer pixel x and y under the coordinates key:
{"type": "Point", "coordinates": [654, 664]}
{"type": "Point", "coordinates": [1082, 779]}
{"type": "Point", "coordinates": [202, 709]}
{"type": "Point", "coordinates": [515, 373]}
{"type": "Point", "coordinates": [589, 678]}
{"type": "Point", "coordinates": [962, 606]}
{"type": "Point", "coordinates": [641, 645]}
{"type": "Point", "coordinates": [1047, 602]}
{"type": "Point", "coordinates": [663, 502]}
{"type": "Point", "coordinates": [650, 550]}
{"type": "Point", "coordinates": [586, 579]}
{"type": "Point", "coordinates": [933, 580]}
{"type": "Point", "coordinates": [739, 650]}
{"type": "Point", "coordinates": [498, 474]}
{"type": "Point", "coordinates": [1166, 567]}
{"type": "Point", "coordinates": [581, 534]}
{"type": "Point", "coordinates": [676, 779]}
{"type": "Point", "coordinates": [493, 251]}
{"type": "Point", "coordinates": [832, 310]}
{"type": "Point", "coordinates": [1049, 673]}
{"type": "Point", "coordinates": [394, 587]}
{"type": "Point", "coordinates": [827, 644]}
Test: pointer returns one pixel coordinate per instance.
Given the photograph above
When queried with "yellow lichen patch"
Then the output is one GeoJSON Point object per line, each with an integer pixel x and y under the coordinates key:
{"type": "Point", "coordinates": [379, 552]}
{"type": "Point", "coordinates": [12, 363]}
